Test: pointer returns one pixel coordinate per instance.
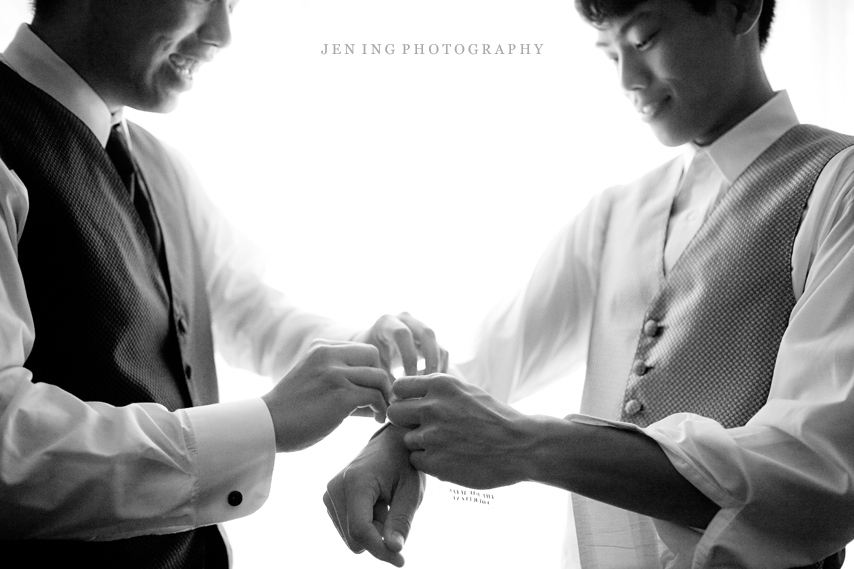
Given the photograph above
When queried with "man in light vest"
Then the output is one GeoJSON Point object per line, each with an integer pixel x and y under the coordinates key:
{"type": "Point", "coordinates": [712, 302]}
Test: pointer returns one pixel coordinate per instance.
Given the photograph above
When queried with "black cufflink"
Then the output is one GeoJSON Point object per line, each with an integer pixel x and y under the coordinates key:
{"type": "Point", "coordinates": [235, 498]}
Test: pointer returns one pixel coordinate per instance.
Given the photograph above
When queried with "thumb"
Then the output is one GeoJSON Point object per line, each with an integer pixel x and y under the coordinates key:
{"type": "Point", "coordinates": [401, 511]}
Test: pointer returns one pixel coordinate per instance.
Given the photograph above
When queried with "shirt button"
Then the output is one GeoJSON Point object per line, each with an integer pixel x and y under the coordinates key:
{"type": "Point", "coordinates": [639, 367]}
{"type": "Point", "coordinates": [692, 216]}
{"type": "Point", "coordinates": [633, 407]}
{"type": "Point", "coordinates": [188, 371]}
{"type": "Point", "coordinates": [650, 327]}
{"type": "Point", "coordinates": [235, 498]}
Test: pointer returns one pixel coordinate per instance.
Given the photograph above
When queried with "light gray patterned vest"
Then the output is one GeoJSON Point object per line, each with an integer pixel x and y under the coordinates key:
{"type": "Point", "coordinates": [703, 339]}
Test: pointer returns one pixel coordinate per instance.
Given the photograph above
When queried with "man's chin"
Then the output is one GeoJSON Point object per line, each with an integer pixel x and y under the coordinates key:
{"type": "Point", "coordinates": [163, 104]}
{"type": "Point", "coordinates": [669, 137]}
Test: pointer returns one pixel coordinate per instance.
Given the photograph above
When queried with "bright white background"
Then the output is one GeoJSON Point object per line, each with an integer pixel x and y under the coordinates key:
{"type": "Point", "coordinates": [381, 183]}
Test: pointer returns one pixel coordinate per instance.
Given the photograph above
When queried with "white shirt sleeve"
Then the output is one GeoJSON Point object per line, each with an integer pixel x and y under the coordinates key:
{"type": "Point", "coordinates": [87, 470]}
{"type": "Point", "coordinates": [542, 334]}
{"type": "Point", "coordinates": [784, 480]}
{"type": "Point", "coordinates": [255, 326]}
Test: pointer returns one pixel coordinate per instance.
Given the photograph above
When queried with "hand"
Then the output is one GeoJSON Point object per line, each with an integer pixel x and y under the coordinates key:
{"type": "Point", "coordinates": [461, 434]}
{"type": "Point", "coordinates": [401, 339]}
{"type": "Point", "coordinates": [323, 389]}
{"type": "Point", "coordinates": [373, 500]}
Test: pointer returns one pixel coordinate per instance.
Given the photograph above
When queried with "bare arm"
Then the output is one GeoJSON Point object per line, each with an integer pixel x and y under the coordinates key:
{"type": "Point", "coordinates": [461, 434]}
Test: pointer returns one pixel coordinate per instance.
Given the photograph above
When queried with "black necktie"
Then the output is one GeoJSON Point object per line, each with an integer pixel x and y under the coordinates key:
{"type": "Point", "coordinates": [119, 153]}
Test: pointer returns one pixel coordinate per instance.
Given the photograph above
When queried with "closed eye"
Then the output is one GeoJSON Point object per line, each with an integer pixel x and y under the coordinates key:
{"type": "Point", "coordinates": [644, 43]}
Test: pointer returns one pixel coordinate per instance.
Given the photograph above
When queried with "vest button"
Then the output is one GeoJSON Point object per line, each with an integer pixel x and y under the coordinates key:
{"type": "Point", "coordinates": [235, 498]}
{"type": "Point", "coordinates": [650, 327]}
{"type": "Point", "coordinates": [633, 407]}
{"type": "Point", "coordinates": [188, 371]}
{"type": "Point", "coordinates": [639, 367]}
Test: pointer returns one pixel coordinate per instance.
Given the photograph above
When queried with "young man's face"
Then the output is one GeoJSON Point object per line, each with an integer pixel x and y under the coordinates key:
{"type": "Point", "coordinates": [680, 69]}
{"type": "Point", "coordinates": [143, 53]}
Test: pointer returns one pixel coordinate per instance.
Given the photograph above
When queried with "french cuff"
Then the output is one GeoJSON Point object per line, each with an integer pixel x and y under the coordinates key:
{"type": "Point", "coordinates": [668, 439]}
{"type": "Point", "coordinates": [668, 434]}
{"type": "Point", "coordinates": [237, 450]}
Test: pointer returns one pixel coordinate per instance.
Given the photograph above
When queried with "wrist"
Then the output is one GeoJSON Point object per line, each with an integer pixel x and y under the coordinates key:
{"type": "Point", "coordinates": [543, 456]}
{"type": "Point", "coordinates": [391, 436]}
{"type": "Point", "coordinates": [270, 402]}
{"type": "Point", "coordinates": [519, 449]}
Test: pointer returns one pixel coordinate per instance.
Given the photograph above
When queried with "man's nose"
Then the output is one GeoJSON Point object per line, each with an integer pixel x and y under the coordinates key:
{"type": "Point", "coordinates": [633, 73]}
{"type": "Point", "coordinates": [216, 28]}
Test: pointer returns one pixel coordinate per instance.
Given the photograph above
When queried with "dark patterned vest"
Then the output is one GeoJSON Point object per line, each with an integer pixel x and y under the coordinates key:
{"type": "Point", "coordinates": [110, 326]}
{"type": "Point", "coordinates": [704, 338]}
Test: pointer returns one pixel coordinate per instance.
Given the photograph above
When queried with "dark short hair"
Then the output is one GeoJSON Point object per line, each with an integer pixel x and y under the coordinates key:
{"type": "Point", "coordinates": [597, 11]}
{"type": "Point", "coordinates": [44, 8]}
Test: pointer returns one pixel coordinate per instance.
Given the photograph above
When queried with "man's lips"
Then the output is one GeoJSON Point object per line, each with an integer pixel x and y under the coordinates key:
{"type": "Point", "coordinates": [648, 109]}
{"type": "Point", "coordinates": [185, 65]}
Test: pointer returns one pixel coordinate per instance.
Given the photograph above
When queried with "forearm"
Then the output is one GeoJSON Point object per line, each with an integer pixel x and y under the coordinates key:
{"type": "Point", "coordinates": [623, 468]}
{"type": "Point", "coordinates": [461, 434]}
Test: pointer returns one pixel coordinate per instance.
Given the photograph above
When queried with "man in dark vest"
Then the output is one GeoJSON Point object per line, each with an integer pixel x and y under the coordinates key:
{"type": "Point", "coordinates": [713, 302]}
{"type": "Point", "coordinates": [114, 271]}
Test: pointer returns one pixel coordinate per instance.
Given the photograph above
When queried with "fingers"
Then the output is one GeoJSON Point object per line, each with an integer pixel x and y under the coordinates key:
{"type": "Point", "coordinates": [362, 368]}
{"type": "Point", "coordinates": [365, 517]}
{"type": "Point", "coordinates": [443, 360]}
{"type": "Point", "coordinates": [406, 414]}
{"type": "Point", "coordinates": [368, 412]}
{"type": "Point", "coordinates": [425, 339]}
{"type": "Point", "coordinates": [350, 353]}
{"type": "Point", "coordinates": [401, 511]}
{"type": "Point", "coordinates": [337, 520]}
{"type": "Point", "coordinates": [408, 337]}
{"type": "Point", "coordinates": [402, 336]}
{"type": "Point", "coordinates": [417, 458]}
{"type": "Point", "coordinates": [369, 377]}
{"type": "Point", "coordinates": [412, 387]}
{"type": "Point", "coordinates": [365, 397]}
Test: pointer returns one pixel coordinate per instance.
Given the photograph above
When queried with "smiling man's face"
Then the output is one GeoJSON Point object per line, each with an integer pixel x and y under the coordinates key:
{"type": "Point", "coordinates": [143, 53]}
{"type": "Point", "coordinates": [680, 69]}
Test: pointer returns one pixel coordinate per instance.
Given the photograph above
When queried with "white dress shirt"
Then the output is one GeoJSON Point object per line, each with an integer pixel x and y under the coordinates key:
{"type": "Point", "coordinates": [86, 470]}
{"type": "Point", "coordinates": [783, 481]}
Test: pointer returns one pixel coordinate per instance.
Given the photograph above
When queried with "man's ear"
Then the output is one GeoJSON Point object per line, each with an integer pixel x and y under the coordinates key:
{"type": "Point", "coordinates": [746, 15]}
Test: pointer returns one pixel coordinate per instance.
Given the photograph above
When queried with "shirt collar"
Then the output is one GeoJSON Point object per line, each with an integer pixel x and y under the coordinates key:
{"type": "Point", "coordinates": [733, 152]}
{"type": "Point", "coordinates": [39, 65]}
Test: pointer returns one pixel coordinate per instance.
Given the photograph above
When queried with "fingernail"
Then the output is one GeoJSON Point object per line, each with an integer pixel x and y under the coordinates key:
{"type": "Point", "coordinates": [398, 539]}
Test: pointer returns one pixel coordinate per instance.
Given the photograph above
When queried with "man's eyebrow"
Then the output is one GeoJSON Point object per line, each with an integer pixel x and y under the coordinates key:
{"type": "Point", "coordinates": [641, 15]}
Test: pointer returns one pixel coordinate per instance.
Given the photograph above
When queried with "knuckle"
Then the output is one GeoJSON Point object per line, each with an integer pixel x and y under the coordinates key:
{"type": "Point", "coordinates": [443, 383]}
{"type": "Point", "coordinates": [321, 352]}
{"type": "Point", "coordinates": [402, 333]}
{"type": "Point", "coordinates": [433, 412]}
{"type": "Point", "coordinates": [374, 351]}
{"type": "Point", "coordinates": [428, 410]}
{"type": "Point", "coordinates": [334, 377]}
